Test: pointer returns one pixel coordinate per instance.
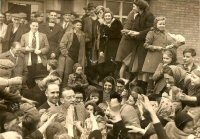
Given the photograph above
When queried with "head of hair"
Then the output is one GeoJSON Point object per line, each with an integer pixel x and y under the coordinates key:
{"type": "Point", "coordinates": [138, 90]}
{"type": "Point", "coordinates": [53, 129]}
{"type": "Point", "coordinates": [111, 80]}
{"type": "Point", "coordinates": [172, 54]}
{"type": "Point", "coordinates": [159, 18]}
{"type": "Point", "coordinates": [92, 104]}
{"type": "Point", "coordinates": [120, 81]}
{"type": "Point", "coordinates": [33, 21]}
{"type": "Point", "coordinates": [168, 70]}
{"type": "Point", "coordinates": [76, 65]}
{"type": "Point", "coordinates": [107, 10]}
{"type": "Point", "coordinates": [53, 63]}
{"type": "Point", "coordinates": [30, 122]}
{"type": "Point", "coordinates": [142, 4]}
{"type": "Point", "coordinates": [191, 51]}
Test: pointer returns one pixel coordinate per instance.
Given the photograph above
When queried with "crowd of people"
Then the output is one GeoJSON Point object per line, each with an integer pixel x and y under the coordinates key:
{"type": "Point", "coordinates": [92, 77]}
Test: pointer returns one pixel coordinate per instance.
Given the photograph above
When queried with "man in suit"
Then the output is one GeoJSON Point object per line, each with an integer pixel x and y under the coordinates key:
{"type": "Point", "coordinates": [35, 47]}
{"type": "Point", "coordinates": [52, 94]}
{"type": "Point", "coordinates": [54, 33]}
{"type": "Point", "coordinates": [15, 55]}
{"type": "Point", "coordinates": [66, 23]}
{"type": "Point", "coordinates": [14, 32]}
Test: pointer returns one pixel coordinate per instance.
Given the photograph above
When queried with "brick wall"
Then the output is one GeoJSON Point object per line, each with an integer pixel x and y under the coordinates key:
{"type": "Point", "coordinates": [182, 18]}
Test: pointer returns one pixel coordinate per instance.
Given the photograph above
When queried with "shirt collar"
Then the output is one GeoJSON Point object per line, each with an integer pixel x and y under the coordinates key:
{"type": "Point", "coordinates": [36, 33]}
{"type": "Point", "coordinates": [51, 104]}
{"type": "Point", "coordinates": [12, 54]}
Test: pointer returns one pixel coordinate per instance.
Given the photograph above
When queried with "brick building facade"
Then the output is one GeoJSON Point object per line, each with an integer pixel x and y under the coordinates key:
{"type": "Point", "coordinates": [183, 17]}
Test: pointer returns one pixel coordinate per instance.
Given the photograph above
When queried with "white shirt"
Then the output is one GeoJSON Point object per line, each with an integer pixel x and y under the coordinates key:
{"type": "Point", "coordinates": [37, 47]}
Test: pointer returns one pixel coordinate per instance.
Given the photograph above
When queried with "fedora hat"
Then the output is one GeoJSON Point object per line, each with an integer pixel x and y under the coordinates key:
{"type": "Point", "coordinates": [89, 6]}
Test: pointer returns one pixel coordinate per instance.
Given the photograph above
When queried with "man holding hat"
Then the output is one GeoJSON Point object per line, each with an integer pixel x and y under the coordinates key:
{"type": "Point", "coordinates": [14, 32]}
{"type": "Point", "coordinates": [54, 33]}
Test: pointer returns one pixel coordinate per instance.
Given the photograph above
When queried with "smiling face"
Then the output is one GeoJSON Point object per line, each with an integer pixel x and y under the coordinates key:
{"type": "Point", "coordinates": [107, 87]}
{"type": "Point", "coordinates": [34, 26]}
{"type": "Point", "coordinates": [161, 25]}
{"type": "Point", "coordinates": [166, 59]}
{"type": "Point", "coordinates": [67, 17]}
{"type": "Point", "coordinates": [78, 26]}
{"type": "Point", "coordinates": [52, 17]}
{"type": "Point", "coordinates": [52, 93]}
{"type": "Point", "coordinates": [108, 17]}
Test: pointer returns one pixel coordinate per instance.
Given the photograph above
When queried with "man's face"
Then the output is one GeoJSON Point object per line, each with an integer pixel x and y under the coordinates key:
{"type": "Point", "coordinates": [34, 26]}
{"type": "Point", "coordinates": [188, 58]}
{"type": "Point", "coordinates": [94, 98]}
{"type": "Point", "coordinates": [67, 17]}
{"type": "Point", "coordinates": [69, 97]}
{"type": "Point", "coordinates": [195, 80]}
{"type": "Point", "coordinates": [17, 50]}
{"type": "Point", "coordinates": [52, 93]}
{"type": "Point", "coordinates": [16, 20]}
{"type": "Point", "coordinates": [79, 97]}
{"type": "Point", "coordinates": [40, 18]}
{"type": "Point", "coordinates": [8, 16]}
{"type": "Point", "coordinates": [52, 17]}
{"type": "Point", "coordinates": [119, 88]}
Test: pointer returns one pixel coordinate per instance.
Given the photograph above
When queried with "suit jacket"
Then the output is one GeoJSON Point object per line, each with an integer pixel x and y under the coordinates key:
{"type": "Point", "coordinates": [43, 44]}
{"type": "Point", "coordinates": [20, 65]}
{"type": "Point", "coordinates": [66, 43]}
{"type": "Point", "coordinates": [20, 31]}
{"type": "Point", "coordinates": [53, 36]}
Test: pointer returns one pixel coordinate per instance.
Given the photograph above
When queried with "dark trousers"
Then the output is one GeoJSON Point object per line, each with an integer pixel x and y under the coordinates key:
{"type": "Point", "coordinates": [35, 71]}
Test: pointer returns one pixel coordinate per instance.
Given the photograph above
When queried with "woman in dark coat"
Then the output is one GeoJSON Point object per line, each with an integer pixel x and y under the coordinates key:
{"type": "Point", "coordinates": [142, 25]}
{"type": "Point", "coordinates": [110, 38]}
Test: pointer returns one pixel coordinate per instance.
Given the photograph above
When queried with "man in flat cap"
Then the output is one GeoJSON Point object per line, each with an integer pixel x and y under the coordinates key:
{"type": "Point", "coordinates": [54, 33]}
{"type": "Point", "coordinates": [14, 32]}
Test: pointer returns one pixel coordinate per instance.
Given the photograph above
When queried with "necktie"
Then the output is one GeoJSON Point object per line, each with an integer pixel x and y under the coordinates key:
{"type": "Point", "coordinates": [33, 55]}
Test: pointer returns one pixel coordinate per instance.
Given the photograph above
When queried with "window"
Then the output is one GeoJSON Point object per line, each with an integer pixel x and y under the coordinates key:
{"type": "Point", "coordinates": [120, 9]}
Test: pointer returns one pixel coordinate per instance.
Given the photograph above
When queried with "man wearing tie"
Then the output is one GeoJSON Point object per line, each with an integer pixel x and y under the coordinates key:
{"type": "Point", "coordinates": [35, 47]}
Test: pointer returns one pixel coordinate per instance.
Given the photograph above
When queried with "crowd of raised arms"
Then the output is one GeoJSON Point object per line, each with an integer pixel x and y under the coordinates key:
{"type": "Point", "coordinates": [90, 77]}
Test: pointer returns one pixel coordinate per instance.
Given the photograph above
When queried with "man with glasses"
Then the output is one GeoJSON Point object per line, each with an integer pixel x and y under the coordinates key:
{"type": "Point", "coordinates": [14, 32]}
{"type": "Point", "coordinates": [54, 33]}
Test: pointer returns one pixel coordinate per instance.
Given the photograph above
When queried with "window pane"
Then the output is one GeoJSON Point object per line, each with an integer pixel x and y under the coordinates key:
{"type": "Point", "coordinates": [97, 2]}
{"type": "Point", "coordinates": [127, 7]}
{"type": "Point", "coordinates": [114, 7]}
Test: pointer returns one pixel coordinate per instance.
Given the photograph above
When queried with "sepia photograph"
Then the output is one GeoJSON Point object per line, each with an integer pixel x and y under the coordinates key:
{"type": "Point", "coordinates": [99, 69]}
